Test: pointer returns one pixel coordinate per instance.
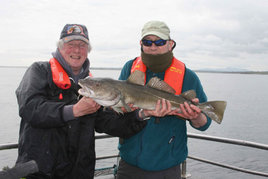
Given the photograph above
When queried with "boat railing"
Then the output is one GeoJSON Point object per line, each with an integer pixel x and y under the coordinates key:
{"type": "Point", "coordinates": [112, 170]}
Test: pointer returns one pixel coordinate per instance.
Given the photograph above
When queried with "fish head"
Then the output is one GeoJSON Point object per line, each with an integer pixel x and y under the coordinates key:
{"type": "Point", "coordinates": [99, 89]}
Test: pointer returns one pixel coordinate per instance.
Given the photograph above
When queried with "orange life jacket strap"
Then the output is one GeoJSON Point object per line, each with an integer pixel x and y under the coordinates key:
{"type": "Point", "coordinates": [59, 76]}
{"type": "Point", "coordinates": [173, 75]}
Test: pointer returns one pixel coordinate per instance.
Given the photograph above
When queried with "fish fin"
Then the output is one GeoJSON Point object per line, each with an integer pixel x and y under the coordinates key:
{"type": "Point", "coordinates": [106, 102]}
{"type": "Point", "coordinates": [214, 109]}
{"type": "Point", "coordinates": [137, 77]}
{"type": "Point", "coordinates": [124, 104]}
{"type": "Point", "coordinates": [160, 84]}
{"type": "Point", "coordinates": [117, 109]}
{"type": "Point", "coordinates": [109, 102]}
{"type": "Point", "coordinates": [120, 104]}
{"type": "Point", "coordinates": [188, 95]}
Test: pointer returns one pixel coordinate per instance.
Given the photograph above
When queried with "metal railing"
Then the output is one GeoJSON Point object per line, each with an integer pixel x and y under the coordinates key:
{"type": "Point", "coordinates": [195, 136]}
{"type": "Point", "coordinates": [229, 141]}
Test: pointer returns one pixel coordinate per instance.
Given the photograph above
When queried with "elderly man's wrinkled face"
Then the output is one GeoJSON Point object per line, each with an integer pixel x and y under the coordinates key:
{"type": "Point", "coordinates": [75, 53]}
{"type": "Point", "coordinates": [152, 48]}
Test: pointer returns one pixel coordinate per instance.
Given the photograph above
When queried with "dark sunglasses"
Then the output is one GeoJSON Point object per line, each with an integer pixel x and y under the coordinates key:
{"type": "Point", "coordinates": [149, 43]}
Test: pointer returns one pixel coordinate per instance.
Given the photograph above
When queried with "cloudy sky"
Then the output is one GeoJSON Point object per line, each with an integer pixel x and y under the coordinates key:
{"type": "Point", "coordinates": [209, 33]}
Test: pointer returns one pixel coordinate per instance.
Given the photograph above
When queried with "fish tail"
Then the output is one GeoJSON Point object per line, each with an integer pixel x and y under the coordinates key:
{"type": "Point", "coordinates": [214, 109]}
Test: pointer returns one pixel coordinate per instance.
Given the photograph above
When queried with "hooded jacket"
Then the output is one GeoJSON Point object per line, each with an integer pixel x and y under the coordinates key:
{"type": "Point", "coordinates": [62, 147]}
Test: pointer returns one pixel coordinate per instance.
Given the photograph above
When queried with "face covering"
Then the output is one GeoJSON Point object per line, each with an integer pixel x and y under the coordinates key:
{"type": "Point", "coordinates": [157, 63]}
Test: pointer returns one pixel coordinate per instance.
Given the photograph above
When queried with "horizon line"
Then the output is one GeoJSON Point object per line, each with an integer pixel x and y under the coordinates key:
{"type": "Point", "coordinates": [196, 70]}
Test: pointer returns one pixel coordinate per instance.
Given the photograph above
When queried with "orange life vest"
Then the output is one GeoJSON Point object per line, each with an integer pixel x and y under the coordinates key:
{"type": "Point", "coordinates": [173, 75]}
{"type": "Point", "coordinates": [59, 76]}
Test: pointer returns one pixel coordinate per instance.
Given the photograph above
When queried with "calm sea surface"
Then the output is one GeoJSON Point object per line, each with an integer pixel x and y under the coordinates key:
{"type": "Point", "coordinates": [246, 118]}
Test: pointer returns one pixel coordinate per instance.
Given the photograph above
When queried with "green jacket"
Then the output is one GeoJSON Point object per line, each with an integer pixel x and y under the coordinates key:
{"type": "Point", "coordinates": [162, 144]}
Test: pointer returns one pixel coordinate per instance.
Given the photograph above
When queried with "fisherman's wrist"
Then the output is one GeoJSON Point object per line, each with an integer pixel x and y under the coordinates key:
{"type": "Point", "coordinates": [67, 113]}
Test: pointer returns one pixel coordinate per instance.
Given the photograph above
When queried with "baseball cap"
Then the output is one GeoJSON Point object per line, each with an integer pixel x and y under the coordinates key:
{"type": "Point", "coordinates": [157, 28]}
{"type": "Point", "coordinates": [74, 32]}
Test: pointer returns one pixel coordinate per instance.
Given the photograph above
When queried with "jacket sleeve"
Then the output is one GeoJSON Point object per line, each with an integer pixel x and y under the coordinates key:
{"type": "Point", "coordinates": [119, 125]}
{"type": "Point", "coordinates": [125, 72]}
{"type": "Point", "coordinates": [35, 107]}
{"type": "Point", "coordinates": [191, 81]}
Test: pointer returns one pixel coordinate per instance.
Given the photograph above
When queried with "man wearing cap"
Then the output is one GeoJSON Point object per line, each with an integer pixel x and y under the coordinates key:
{"type": "Point", "coordinates": [57, 126]}
{"type": "Point", "coordinates": [157, 151]}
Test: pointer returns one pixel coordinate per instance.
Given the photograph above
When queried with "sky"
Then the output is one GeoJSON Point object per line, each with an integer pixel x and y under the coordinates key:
{"type": "Point", "coordinates": [210, 34]}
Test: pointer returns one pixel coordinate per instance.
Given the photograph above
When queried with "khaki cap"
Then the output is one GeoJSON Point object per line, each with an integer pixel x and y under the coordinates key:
{"type": "Point", "coordinates": [157, 28]}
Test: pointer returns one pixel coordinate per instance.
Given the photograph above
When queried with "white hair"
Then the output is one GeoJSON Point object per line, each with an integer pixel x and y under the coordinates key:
{"type": "Point", "coordinates": [61, 42]}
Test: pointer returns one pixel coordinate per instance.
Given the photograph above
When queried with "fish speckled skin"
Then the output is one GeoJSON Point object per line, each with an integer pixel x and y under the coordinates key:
{"type": "Point", "coordinates": [117, 94]}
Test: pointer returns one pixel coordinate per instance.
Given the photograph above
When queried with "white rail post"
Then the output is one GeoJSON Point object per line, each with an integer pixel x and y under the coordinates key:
{"type": "Point", "coordinates": [184, 175]}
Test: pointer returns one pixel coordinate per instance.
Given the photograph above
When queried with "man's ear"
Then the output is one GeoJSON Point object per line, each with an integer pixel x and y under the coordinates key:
{"type": "Point", "coordinates": [172, 44]}
{"type": "Point", "coordinates": [141, 46]}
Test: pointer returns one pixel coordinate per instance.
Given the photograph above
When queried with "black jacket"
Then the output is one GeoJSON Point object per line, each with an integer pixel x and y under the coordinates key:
{"type": "Point", "coordinates": [62, 149]}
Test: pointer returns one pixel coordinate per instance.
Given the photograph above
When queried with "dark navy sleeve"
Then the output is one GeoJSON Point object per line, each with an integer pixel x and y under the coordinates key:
{"type": "Point", "coordinates": [125, 72]}
{"type": "Point", "coordinates": [119, 125]}
{"type": "Point", "coordinates": [192, 82]}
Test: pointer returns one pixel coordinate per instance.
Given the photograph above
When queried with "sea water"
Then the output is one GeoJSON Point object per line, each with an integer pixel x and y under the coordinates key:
{"type": "Point", "coordinates": [245, 118]}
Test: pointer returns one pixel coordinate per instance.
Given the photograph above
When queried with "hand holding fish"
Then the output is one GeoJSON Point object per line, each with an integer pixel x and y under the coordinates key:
{"type": "Point", "coordinates": [159, 111]}
{"type": "Point", "coordinates": [162, 108]}
{"type": "Point", "coordinates": [85, 106]}
{"type": "Point", "coordinates": [192, 113]}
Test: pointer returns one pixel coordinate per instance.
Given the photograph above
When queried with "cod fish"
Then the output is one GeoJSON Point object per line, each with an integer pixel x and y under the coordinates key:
{"type": "Point", "coordinates": [118, 93]}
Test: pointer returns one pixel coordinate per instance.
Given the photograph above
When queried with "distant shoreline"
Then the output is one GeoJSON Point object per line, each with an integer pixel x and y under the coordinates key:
{"type": "Point", "coordinates": [232, 72]}
{"type": "Point", "coordinates": [198, 71]}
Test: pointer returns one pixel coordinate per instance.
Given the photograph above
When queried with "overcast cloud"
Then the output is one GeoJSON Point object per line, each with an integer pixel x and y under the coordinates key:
{"type": "Point", "coordinates": [209, 33]}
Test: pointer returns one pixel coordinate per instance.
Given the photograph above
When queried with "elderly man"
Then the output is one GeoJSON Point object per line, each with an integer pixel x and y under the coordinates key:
{"type": "Point", "coordinates": [157, 151]}
{"type": "Point", "coordinates": [57, 128]}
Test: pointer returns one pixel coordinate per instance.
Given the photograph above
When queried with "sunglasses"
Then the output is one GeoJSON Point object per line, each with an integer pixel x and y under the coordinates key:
{"type": "Point", "coordinates": [149, 43]}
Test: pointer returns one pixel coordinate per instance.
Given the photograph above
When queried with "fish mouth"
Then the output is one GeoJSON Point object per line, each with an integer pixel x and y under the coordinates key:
{"type": "Point", "coordinates": [87, 92]}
